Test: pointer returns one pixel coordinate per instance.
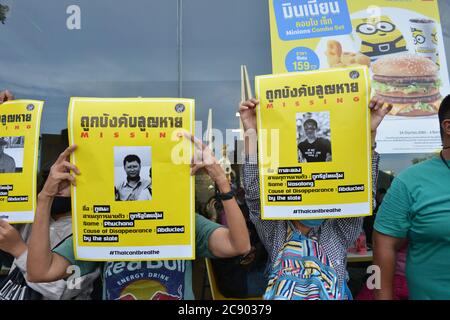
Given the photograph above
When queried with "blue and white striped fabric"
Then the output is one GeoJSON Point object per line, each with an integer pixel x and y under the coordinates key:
{"type": "Point", "coordinates": [302, 271]}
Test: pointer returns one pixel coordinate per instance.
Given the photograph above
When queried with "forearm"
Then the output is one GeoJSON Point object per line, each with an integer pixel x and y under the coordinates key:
{"type": "Point", "coordinates": [251, 142]}
{"type": "Point", "coordinates": [384, 258]}
{"type": "Point", "coordinates": [250, 174]}
{"type": "Point", "coordinates": [39, 251]}
{"type": "Point", "coordinates": [237, 227]}
{"type": "Point", "coordinates": [375, 170]}
{"type": "Point", "coordinates": [50, 290]}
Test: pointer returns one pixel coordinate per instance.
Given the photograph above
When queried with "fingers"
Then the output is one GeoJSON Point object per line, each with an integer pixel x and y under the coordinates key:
{"type": "Point", "coordinates": [388, 109]}
{"type": "Point", "coordinates": [71, 167]}
{"type": "Point", "coordinates": [198, 143]}
{"type": "Point", "coordinates": [195, 168]}
{"type": "Point", "coordinates": [4, 224]}
{"type": "Point", "coordinates": [66, 153]}
{"type": "Point", "coordinates": [249, 104]}
{"type": "Point", "coordinates": [379, 105]}
{"type": "Point", "coordinates": [6, 96]}
{"type": "Point", "coordinates": [376, 104]}
{"type": "Point", "coordinates": [9, 95]}
{"type": "Point", "coordinates": [66, 176]}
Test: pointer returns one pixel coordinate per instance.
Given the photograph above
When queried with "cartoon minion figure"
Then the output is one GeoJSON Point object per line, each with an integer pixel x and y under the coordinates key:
{"type": "Point", "coordinates": [379, 36]}
{"type": "Point", "coordinates": [418, 36]}
{"type": "Point", "coordinates": [434, 39]}
{"type": "Point", "coordinates": [434, 36]}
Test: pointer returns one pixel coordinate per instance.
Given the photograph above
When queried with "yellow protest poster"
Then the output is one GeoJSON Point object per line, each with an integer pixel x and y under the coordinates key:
{"type": "Point", "coordinates": [401, 42]}
{"type": "Point", "coordinates": [314, 144]}
{"type": "Point", "coordinates": [19, 145]}
{"type": "Point", "coordinates": [134, 199]}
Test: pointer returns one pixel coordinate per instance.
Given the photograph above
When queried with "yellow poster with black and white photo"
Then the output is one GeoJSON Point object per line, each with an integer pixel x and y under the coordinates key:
{"type": "Point", "coordinates": [401, 42]}
{"type": "Point", "coordinates": [314, 144]}
{"type": "Point", "coordinates": [19, 145]}
{"type": "Point", "coordinates": [134, 198]}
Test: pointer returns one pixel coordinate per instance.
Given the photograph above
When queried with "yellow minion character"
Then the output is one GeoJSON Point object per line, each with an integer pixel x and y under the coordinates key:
{"type": "Point", "coordinates": [379, 36]}
{"type": "Point", "coordinates": [418, 36]}
{"type": "Point", "coordinates": [434, 39]}
{"type": "Point", "coordinates": [434, 36]}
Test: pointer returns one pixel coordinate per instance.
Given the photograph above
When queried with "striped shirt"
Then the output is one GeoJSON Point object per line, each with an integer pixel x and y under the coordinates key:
{"type": "Point", "coordinates": [334, 235]}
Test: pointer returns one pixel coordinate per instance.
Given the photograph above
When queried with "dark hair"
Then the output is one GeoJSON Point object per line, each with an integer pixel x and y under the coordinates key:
{"type": "Point", "coordinates": [312, 121]}
{"type": "Point", "coordinates": [444, 112]}
{"type": "Point", "coordinates": [131, 158]}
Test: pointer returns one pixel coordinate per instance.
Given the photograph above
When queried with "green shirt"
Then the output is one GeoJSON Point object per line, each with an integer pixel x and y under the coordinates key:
{"type": "Point", "coordinates": [417, 207]}
{"type": "Point", "coordinates": [146, 280]}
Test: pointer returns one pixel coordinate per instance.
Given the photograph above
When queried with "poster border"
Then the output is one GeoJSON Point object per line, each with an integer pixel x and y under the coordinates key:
{"type": "Point", "coordinates": [369, 149]}
{"type": "Point", "coordinates": [73, 101]}
{"type": "Point", "coordinates": [40, 106]}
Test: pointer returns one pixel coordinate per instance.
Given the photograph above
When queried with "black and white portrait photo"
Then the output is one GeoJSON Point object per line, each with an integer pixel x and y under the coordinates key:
{"type": "Point", "coordinates": [132, 173]}
{"type": "Point", "coordinates": [313, 137]}
{"type": "Point", "coordinates": [11, 154]}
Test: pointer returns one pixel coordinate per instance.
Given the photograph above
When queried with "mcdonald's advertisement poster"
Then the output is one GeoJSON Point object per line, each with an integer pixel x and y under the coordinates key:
{"type": "Point", "coordinates": [134, 198]}
{"type": "Point", "coordinates": [19, 145]}
{"type": "Point", "coordinates": [314, 144]}
{"type": "Point", "coordinates": [401, 42]}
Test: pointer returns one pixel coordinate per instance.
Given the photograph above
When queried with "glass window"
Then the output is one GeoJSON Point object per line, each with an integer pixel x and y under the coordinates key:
{"type": "Point", "coordinates": [122, 50]}
{"type": "Point", "coordinates": [143, 48]}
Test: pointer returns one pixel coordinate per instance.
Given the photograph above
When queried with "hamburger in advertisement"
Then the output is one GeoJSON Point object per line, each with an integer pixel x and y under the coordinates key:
{"type": "Point", "coordinates": [410, 83]}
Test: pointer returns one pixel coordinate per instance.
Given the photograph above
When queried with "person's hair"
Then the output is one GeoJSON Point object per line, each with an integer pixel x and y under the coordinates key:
{"type": "Point", "coordinates": [444, 113]}
{"type": "Point", "coordinates": [311, 121]}
{"type": "Point", "coordinates": [131, 158]}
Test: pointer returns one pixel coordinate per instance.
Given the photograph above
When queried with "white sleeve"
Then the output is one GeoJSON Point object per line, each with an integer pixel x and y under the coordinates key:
{"type": "Point", "coordinates": [50, 290]}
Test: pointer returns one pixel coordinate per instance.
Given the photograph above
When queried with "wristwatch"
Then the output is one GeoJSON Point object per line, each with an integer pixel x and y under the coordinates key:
{"type": "Point", "coordinates": [226, 196]}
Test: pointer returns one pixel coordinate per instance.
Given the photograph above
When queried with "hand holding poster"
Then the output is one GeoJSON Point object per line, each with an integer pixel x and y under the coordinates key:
{"type": "Point", "coordinates": [400, 41]}
{"type": "Point", "coordinates": [19, 143]}
{"type": "Point", "coordinates": [314, 144]}
{"type": "Point", "coordinates": [134, 197]}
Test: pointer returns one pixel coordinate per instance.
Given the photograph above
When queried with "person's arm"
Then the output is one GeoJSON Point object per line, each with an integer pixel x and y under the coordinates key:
{"type": "Point", "coordinates": [10, 240]}
{"type": "Point", "coordinates": [391, 227]}
{"type": "Point", "coordinates": [268, 230]}
{"type": "Point", "coordinates": [234, 240]}
{"type": "Point", "coordinates": [385, 258]}
{"type": "Point", "coordinates": [43, 265]}
{"type": "Point", "coordinates": [348, 229]}
{"type": "Point", "coordinates": [223, 242]}
{"type": "Point", "coordinates": [50, 290]}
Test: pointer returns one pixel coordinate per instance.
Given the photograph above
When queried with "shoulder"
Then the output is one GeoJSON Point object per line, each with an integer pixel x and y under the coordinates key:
{"type": "Point", "coordinates": [418, 170]}
{"type": "Point", "coordinates": [145, 183]}
{"type": "Point", "coordinates": [120, 185]}
{"type": "Point", "coordinates": [65, 248]}
{"type": "Point", "coordinates": [9, 158]}
{"type": "Point", "coordinates": [303, 143]}
{"type": "Point", "coordinates": [204, 228]}
{"type": "Point", "coordinates": [203, 223]}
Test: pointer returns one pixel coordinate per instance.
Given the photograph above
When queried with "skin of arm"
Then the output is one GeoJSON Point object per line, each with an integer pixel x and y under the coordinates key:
{"type": "Point", "coordinates": [10, 240]}
{"type": "Point", "coordinates": [385, 252]}
{"type": "Point", "coordinates": [42, 264]}
{"type": "Point", "coordinates": [223, 242]}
